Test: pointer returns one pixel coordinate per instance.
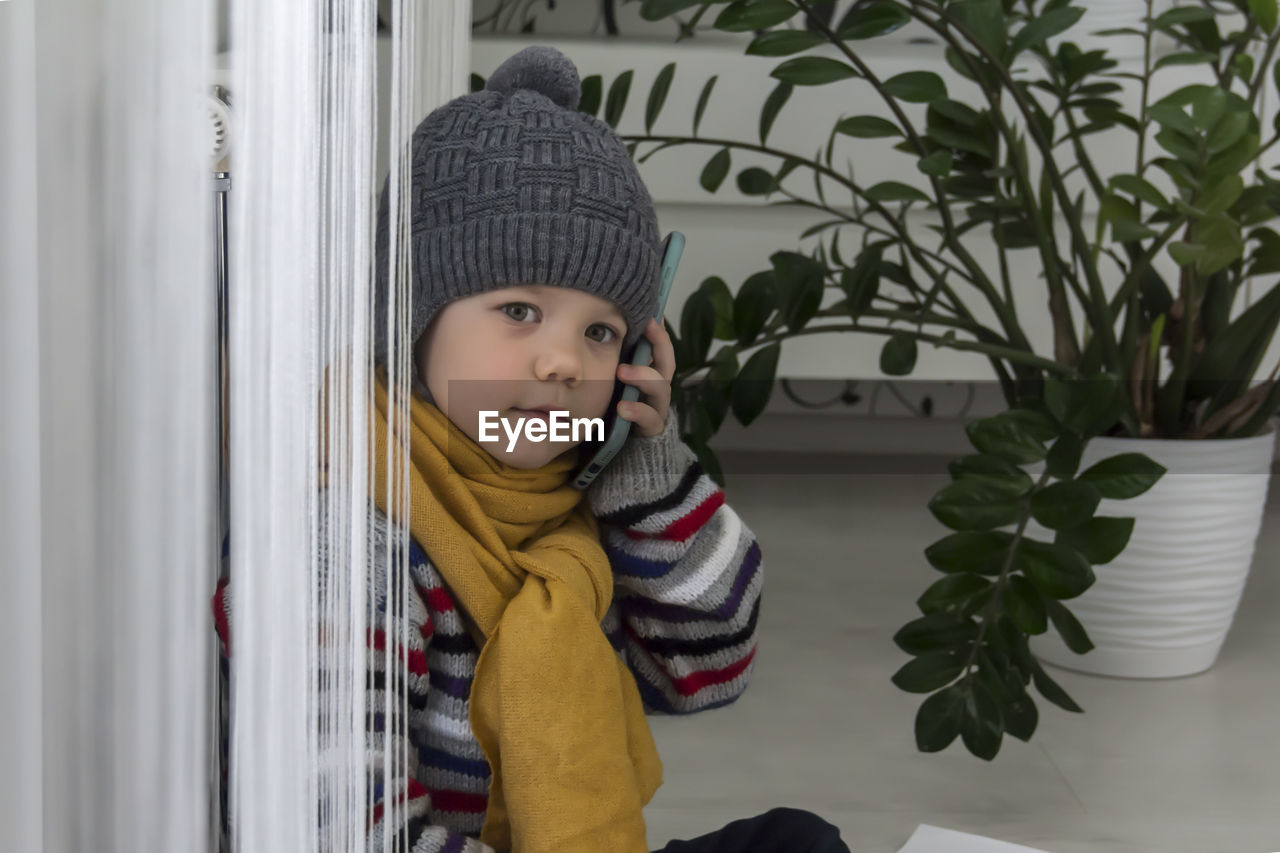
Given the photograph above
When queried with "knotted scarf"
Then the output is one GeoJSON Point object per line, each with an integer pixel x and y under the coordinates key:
{"type": "Point", "coordinates": [555, 709]}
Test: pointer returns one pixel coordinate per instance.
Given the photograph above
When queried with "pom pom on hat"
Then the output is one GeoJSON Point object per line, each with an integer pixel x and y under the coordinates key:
{"type": "Point", "coordinates": [542, 69]}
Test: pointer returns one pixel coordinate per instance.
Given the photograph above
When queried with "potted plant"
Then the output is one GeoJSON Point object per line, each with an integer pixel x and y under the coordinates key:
{"type": "Point", "coordinates": [1153, 371]}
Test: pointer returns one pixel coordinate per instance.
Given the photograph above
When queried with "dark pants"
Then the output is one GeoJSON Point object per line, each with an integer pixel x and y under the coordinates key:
{"type": "Point", "coordinates": [780, 830]}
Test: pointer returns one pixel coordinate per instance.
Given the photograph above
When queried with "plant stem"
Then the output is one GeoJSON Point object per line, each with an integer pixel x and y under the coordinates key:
{"type": "Point", "coordinates": [899, 232]}
{"type": "Point", "coordinates": [1016, 356]}
{"type": "Point", "coordinates": [1260, 74]}
{"type": "Point", "coordinates": [988, 610]}
{"type": "Point", "coordinates": [1094, 308]}
{"type": "Point", "coordinates": [1007, 319]}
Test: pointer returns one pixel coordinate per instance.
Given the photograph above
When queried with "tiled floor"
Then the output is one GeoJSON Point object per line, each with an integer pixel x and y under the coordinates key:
{"type": "Point", "coordinates": [1189, 765]}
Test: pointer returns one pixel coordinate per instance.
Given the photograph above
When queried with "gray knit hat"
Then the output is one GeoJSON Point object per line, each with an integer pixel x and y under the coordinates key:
{"type": "Point", "coordinates": [512, 185]}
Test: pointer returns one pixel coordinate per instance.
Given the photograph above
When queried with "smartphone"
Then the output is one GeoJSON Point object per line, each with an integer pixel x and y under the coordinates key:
{"type": "Point", "coordinates": [617, 428]}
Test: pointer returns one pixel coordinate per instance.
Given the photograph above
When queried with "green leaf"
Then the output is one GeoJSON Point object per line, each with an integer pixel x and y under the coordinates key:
{"type": "Point", "coordinates": [870, 20]}
{"type": "Point", "coordinates": [898, 355]}
{"type": "Point", "coordinates": [722, 300]}
{"type": "Point", "coordinates": [799, 280]}
{"type": "Point", "coordinates": [861, 282]}
{"type": "Point", "coordinates": [1181, 15]}
{"type": "Point", "coordinates": [1055, 569]}
{"type": "Point", "coordinates": [742, 16]}
{"type": "Point", "coordinates": [656, 10]}
{"type": "Point", "coordinates": [1125, 222]}
{"type": "Point", "coordinates": [938, 163]}
{"type": "Point", "coordinates": [1141, 189]}
{"type": "Point", "coordinates": [1021, 716]}
{"type": "Point", "coordinates": [1100, 539]}
{"type": "Point", "coordinates": [1025, 606]}
{"type": "Point", "coordinates": [985, 21]}
{"type": "Point", "coordinates": [936, 632]}
{"type": "Point", "coordinates": [867, 127]}
{"type": "Point", "coordinates": [1064, 504]}
{"type": "Point", "coordinates": [1222, 240]}
{"type": "Point", "coordinates": [982, 726]}
{"type": "Point", "coordinates": [754, 181]}
{"type": "Point", "coordinates": [928, 672]}
{"type": "Point", "coordinates": [1196, 57]}
{"type": "Point", "coordinates": [658, 95]}
{"type": "Point", "coordinates": [783, 42]}
{"type": "Point", "coordinates": [1265, 12]}
{"type": "Point", "coordinates": [702, 105]}
{"type": "Point", "coordinates": [995, 470]}
{"type": "Point", "coordinates": [973, 505]}
{"type": "Point", "coordinates": [589, 103]}
{"type": "Point", "coordinates": [1050, 690]}
{"type": "Point", "coordinates": [812, 71]}
{"type": "Point", "coordinates": [1185, 254]}
{"type": "Point", "coordinates": [977, 552]}
{"type": "Point", "coordinates": [617, 100]}
{"type": "Point", "coordinates": [917, 87]}
{"type": "Point", "coordinates": [887, 191]}
{"type": "Point", "coordinates": [713, 174]}
{"type": "Point", "coordinates": [1043, 27]}
{"type": "Point", "coordinates": [1038, 424]}
{"type": "Point", "coordinates": [1093, 400]}
{"type": "Point", "coordinates": [1226, 133]}
{"type": "Point", "coordinates": [1179, 146]}
{"type": "Point", "coordinates": [939, 719]}
{"type": "Point", "coordinates": [953, 593]}
{"type": "Point", "coordinates": [1072, 632]}
{"type": "Point", "coordinates": [1123, 476]}
{"type": "Point", "coordinates": [697, 323]}
{"type": "Point", "coordinates": [1219, 196]}
{"type": "Point", "coordinates": [1006, 438]}
{"type": "Point", "coordinates": [754, 385]}
{"type": "Point", "coordinates": [1234, 355]}
{"type": "Point", "coordinates": [753, 305]}
{"type": "Point", "coordinates": [1064, 456]}
{"type": "Point", "coordinates": [772, 104]}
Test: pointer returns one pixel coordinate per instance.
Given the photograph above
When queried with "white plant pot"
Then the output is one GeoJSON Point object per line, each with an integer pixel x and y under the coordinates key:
{"type": "Point", "coordinates": [1162, 608]}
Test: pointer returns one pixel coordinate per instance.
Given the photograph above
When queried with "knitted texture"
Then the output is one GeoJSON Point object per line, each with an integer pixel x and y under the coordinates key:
{"type": "Point", "coordinates": [512, 185]}
{"type": "Point", "coordinates": [688, 581]}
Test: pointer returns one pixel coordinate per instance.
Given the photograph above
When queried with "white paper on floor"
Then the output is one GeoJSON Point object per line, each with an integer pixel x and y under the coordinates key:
{"type": "Point", "coordinates": [934, 839]}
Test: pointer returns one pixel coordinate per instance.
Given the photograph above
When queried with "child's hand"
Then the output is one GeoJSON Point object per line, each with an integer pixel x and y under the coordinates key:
{"type": "Point", "coordinates": [649, 413]}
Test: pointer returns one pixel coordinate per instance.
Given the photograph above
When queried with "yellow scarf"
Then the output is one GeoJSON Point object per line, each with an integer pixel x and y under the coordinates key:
{"type": "Point", "coordinates": [556, 711]}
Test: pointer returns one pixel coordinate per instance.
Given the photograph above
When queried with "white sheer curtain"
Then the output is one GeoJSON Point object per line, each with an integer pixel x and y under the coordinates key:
{"type": "Point", "coordinates": [106, 424]}
{"type": "Point", "coordinates": [108, 415]}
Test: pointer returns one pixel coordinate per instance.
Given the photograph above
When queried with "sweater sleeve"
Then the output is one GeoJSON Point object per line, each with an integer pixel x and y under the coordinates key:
{"type": "Point", "coordinates": [411, 829]}
{"type": "Point", "coordinates": [688, 576]}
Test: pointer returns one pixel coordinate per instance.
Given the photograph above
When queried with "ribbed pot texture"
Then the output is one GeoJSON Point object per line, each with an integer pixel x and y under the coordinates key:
{"type": "Point", "coordinates": [1162, 608]}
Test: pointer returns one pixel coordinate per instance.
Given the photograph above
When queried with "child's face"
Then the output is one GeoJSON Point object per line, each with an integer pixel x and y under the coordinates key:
{"type": "Point", "coordinates": [521, 348]}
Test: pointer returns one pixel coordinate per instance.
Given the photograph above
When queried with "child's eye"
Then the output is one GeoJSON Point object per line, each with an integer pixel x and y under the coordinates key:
{"type": "Point", "coordinates": [610, 334]}
{"type": "Point", "coordinates": [519, 306]}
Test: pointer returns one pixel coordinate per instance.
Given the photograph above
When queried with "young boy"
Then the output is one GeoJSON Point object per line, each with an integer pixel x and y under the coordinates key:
{"type": "Point", "coordinates": [543, 622]}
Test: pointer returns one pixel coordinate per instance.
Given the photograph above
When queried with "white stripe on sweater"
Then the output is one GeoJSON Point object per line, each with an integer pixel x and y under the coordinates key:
{"type": "Point", "coordinates": [715, 564]}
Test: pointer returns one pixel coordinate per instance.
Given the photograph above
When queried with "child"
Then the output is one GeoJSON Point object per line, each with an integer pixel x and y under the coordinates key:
{"type": "Point", "coordinates": [545, 623]}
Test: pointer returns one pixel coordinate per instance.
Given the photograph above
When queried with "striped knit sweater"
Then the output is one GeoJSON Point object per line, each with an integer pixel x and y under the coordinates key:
{"type": "Point", "coordinates": [688, 575]}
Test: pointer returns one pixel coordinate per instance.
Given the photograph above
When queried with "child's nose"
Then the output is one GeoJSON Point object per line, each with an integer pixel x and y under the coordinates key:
{"type": "Point", "coordinates": [558, 359]}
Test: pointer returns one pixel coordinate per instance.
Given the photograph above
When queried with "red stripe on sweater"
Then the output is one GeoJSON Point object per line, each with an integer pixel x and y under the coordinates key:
{"type": "Point", "coordinates": [695, 681]}
{"type": "Point", "coordinates": [686, 525]}
{"type": "Point", "coordinates": [437, 599]}
{"type": "Point", "coordinates": [413, 791]}
{"type": "Point", "coordinates": [458, 801]}
{"type": "Point", "coordinates": [377, 640]}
